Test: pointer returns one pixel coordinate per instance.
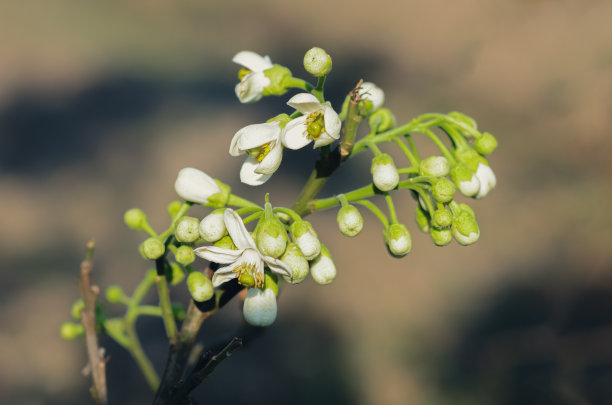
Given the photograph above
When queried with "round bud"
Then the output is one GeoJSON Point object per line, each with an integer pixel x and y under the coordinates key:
{"type": "Point", "coordinates": [317, 62]}
{"type": "Point", "coordinates": [226, 242]}
{"type": "Point", "coordinates": [152, 249]}
{"type": "Point", "coordinates": [200, 287]}
{"type": "Point", "coordinates": [212, 227]}
{"type": "Point", "coordinates": [259, 308]}
{"type": "Point", "coordinates": [486, 144]}
{"type": "Point", "coordinates": [77, 307]}
{"type": "Point", "coordinates": [381, 120]}
{"type": "Point", "coordinates": [196, 186]}
{"type": "Point", "coordinates": [296, 261]}
{"type": "Point", "coordinates": [465, 180]}
{"type": "Point", "coordinates": [436, 166]}
{"type": "Point", "coordinates": [465, 228]}
{"type": "Point", "coordinates": [441, 237]}
{"type": "Point", "coordinates": [187, 229]}
{"type": "Point", "coordinates": [271, 237]}
{"type": "Point", "coordinates": [304, 235]}
{"type": "Point", "coordinates": [184, 255]}
{"type": "Point", "coordinates": [398, 239]}
{"type": "Point", "coordinates": [443, 190]}
{"type": "Point", "coordinates": [442, 218]}
{"type": "Point", "coordinates": [422, 218]}
{"type": "Point", "coordinates": [174, 207]}
{"type": "Point", "coordinates": [349, 220]}
{"type": "Point", "coordinates": [467, 208]}
{"type": "Point", "coordinates": [71, 330]}
{"type": "Point", "coordinates": [177, 274]}
{"type": "Point", "coordinates": [115, 295]}
{"type": "Point", "coordinates": [135, 218]}
{"type": "Point", "coordinates": [384, 172]}
{"type": "Point", "coordinates": [322, 269]}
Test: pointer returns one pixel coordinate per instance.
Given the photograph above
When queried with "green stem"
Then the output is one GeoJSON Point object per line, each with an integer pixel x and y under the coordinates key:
{"type": "Point", "coordinates": [294, 215]}
{"type": "Point", "coordinates": [164, 301]}
{"type": "Point", "coordinates": [241, 202]}
{"type": "Point", "coordinates": [375, 149]}
{"type": "Point", "coordinates": [318, 91]}
{"type": "Point", "coordinates": [391, 207]}
{"type": "Point", "coordinates": [168, 232]}
{"type": "Point", "coordinates": [141, 358]}
{"type": "Point", "coordinates": [376, 211]}
{"type": "Point", "coordinates": [150, 310]}
{"type": "Point", "coordinates": [298, 83]}
{"type": "Point", "coordinates": [449, 156]}
{"type": "Point", "coordinates": [414, 161]}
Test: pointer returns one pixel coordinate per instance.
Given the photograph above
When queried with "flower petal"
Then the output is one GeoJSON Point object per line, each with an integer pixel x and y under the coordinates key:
{"type": "Point", "coordinates": [195, 185]}
{"type": "Point", "coordinates": [305, 103]}
{"type": "Point", "coordinates": [250, 89]}
{"type": "Point", "coordinates": [256, 135]}
{"type": "Point", "coordinates": [272, 161]}
{"type": "Point", "coordinates": [332, 122]}
{"type": "Point", "coordinates": [237, 231]}
{"type": "Point", "coordinates": [293, 134]}
{"type": "Point", "coordinates": [218, 255]}
{"type": "Point", "coordinates": [223, 275]}
{"type": "Point", "coordinates": [277, 266]}
{"type": "Point", "coordinates": [248, 174]}
{"type": "Point", "coordinates": [252, 61]}
{"type": "Point", "coordinates": [324, 139]}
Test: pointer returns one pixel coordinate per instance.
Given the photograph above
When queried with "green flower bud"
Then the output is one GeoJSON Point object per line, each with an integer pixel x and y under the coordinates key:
{"type": "Point", "coordinates": [178, 311]}
{"type": "Point", "coordinates": [278, 75]}
{"type": "Point", "coordinates": [441, 237]}
{"type": "Point", "coordinates": [295, 259]}
{"type": "Point", "coordinates": [135, 218]}
{"type": "Point", "coordinates": [259, 308]}
{"type": "Point", "coordinates": [115, 295]}
{"type": "Point", "coordinates": [306, 238]}
{"type": "Point", "coordinates": [152, 249]}
{"type": "Point", "coordinates": [381, 120]}
{"type": "Point", "coordinates": [435, 166]}
{"type": "Point", "coordinates": [487, 179]}
{"type": "Point", "coordinates": [71, 330]}
{"type": "Point", "coordinates": [177, 274]}
{"type": "Point", "coordinates": [443, 190]}
{"type": "Point", "coordinates": [486, 144]}
{"type": "Point", "coordinates": [465, 180]}
{"type": "Point", "coordinates": [384, 172]}
{"type": "Point", "coordinates": [467, 208]}
{"type": "Point", "coordinates": [373, 95]}
{"type": "Point", "coordinates": [465, 228]}
{"type": "Point", "coordinates": [350, 220]}
{"type": "Point", "coordinates": [270, 234]}
{"type": "Point", "coordinates": [469, 157]}
{"type": "Point", "coordinates": [174, 207]}
{"type": "Point", "coordinates": [422, 218]}
{"type": "Point", "coordinates": [322, 269]}
{"type": "Point", "coordinates": [317, 62]}
{"type": "Point", "coordinates": [271, 282]}
{"type": "Point", "coordinates": [220, 199]}
{"type": "Point", "coordinates": [187, 229]}
{"type": "Point", "coordinates": [77, 307]}
{"type": "Point", "coordinates": [196, 186]}
{"type": "Point", "coordinates": [184, 255]}
{"type": "Point", "coordinates": [200, 286]}
{"type": "Point", "coordinates": [212, 227]}
{"type": "Point", "coordinates": [226, 242]}
{"type": "Point", "coordinates": [442, 218]}
{"type": "Point", "coordinates": [398, 239]}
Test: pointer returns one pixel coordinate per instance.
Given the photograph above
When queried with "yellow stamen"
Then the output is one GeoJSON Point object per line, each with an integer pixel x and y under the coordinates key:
{"type": "Point", "coordinates": [246, 275]}
{"type": "Point", "coordinates": [243, 72]}
{"type": "Point", "coordinates": [260, 152]}
{"type": "Point", "coordinates": [315, 126]}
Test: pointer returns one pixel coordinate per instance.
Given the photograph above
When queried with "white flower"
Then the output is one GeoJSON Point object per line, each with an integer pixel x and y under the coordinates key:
{"type": "Point", "coordinates": [194, 185]}
{"type": "Point", "coordinates": [246, 263]}
{"type": "Point", "coordinates": [251, 86]}
{"type": "Point", "coordinates": [259, 307]}
{"type": "Point", "coordinates": [487, 180]}
{"type": "Point", "coordinates": [320, 123]}
{"type": "Point", "coordinates": [261, 142]}
{"type": "Point", "coordinates": [370, 91]}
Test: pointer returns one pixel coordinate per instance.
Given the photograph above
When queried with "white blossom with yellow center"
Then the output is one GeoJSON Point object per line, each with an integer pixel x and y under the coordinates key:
{"type": "Point", "coordinates": [262, 144]}
{"type": "Point", "coordinates": [246, 263]}
{"type": "Point", "coordinates": [319, 123]}
{"type": "Point", "coordinates": [252, 79]}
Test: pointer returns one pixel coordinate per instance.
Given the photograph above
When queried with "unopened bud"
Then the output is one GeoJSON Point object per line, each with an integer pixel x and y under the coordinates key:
{"type": "Point", "coordinates": [152, 249]}
{"type": "Point", "coordinates": [317, 62]}
{"type": "Point", "coordinates": [135, 218]}
{"type": "Point", "coordinates": [442, 218]}
{"type": "Point", "coordinates": [436, 166]}
{"type": "Point", "coordinates": [212, 227]}
{"type": "Point", "coordinates": [77, 307]}
{"type": "Point", "coordinates": [271, 282]}
{"type": "Point", "coordinates": [71, 330]}
{"type": "Point", "coordinates": [187, 229]}
{"type": "Point", "coordinates": [296, 261]}
{"type": "Point", "coordinates": [486, 144]}
{"type": "Point", "coordinates": [465, 180]}
{"type": "Point", "coordinates": [373, 94]}
{"type": "Point", "coordinates": [349, 220]}
{"type": "Point", "coordinates": [196, 186]}
{"type": "Point", "coordinates": [115, 295]}
{"type": "Point", "coordinates": [270, 235]}
{"type": "Point", "coordinates": [465, 228]}
{"type": "Point", "coordinates": [441, 237]}
{"type": "Point", "coordinates": [184, 255]}
{"type": "Point", "coordinates": [306, 238]}
{"type": "Point", "coordinates": [443, 190]}
{"type": "Point", "coordinates": [177, 274]}
{"type": "Point", "coordinates": [200, 287]}
{"type": "Point", "coordinates": [226, 242]}
{"type": "Point", "coordinates": [398, 240]}
{"type": "Point", "coordinates": [278, 76]}
{"type": "Point", "coordinates": [322, 269]}
{"type": "Point", "coordinates": [178, 311]}
{"type": "Point", "coordinates": [487, 180]}
{"type": "Point", "coordinates": [422, 218]}
{"type": "Point", "coordinates": [384, 172]}
{"type": "Point", "coordinates": [174, 207]}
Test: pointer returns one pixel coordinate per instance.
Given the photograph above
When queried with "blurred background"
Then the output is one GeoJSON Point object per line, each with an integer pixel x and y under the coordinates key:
{"type": "Point", "coordinates": [101, 103]}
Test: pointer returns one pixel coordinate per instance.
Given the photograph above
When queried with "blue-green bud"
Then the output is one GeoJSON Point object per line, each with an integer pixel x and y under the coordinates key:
{"type": "Point", "coordinates": [465, 228]}
{"type": "Point", "coordinates": [349, 220]}
{"type": "Point", "coordinates": [441, 237]}
{"type": "Point", "coordinates": [200, 287]}
{"type": "Point", "coordinates": [115, 295]}
{"type": "Point", "coordinates": [443, 190]}
{"type": "Point", "coordinates": [465, 180]}
{"type": "Point", "coordinates": [77, 307]}
{"type": "Point", "coordinates": [381, 120]}
{"type": "Point", "coordinates": [317, 62]}
{"type": "Point", "coordinates": [422, 218]}
{"type": "Point", "coordinates": [212, 227]}
{"type": "Point", "coordinates": [384, 172]}
{"type": "Point", "coordinates": [71, 330]}
{"type": "Point", "coordinates": [322, 269]}
{"type": "Point", "coordinates": [184, 255]}
{"type": "Point", "coordinates": [398, 239]}
{"type": "Point", "coordinates": [486, 144]}
{"type": "Point", "coordinates": [304, 235]}
{"type": "Point", "coordinates": [441, 218]}
{"type": "Point", "coordinates": [135, 218]}
{"type": "Point", "coordinates": [259, 308]}
{"type": "Point", "coordinates": [187, 229]}
{"type": "Point", "coordinates": [295, 259]}
{"type": "Point", "coordinates": [152, 249]}
{"type": "Point", "coordinates": [435, 166]}
{"type": "Point", "coordinates": [177, 274]}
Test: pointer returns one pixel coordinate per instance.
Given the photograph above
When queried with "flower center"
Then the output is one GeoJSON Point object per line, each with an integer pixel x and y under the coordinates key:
{"type": "Point", "coordinates": [243, 72]}
{"type": "Point", "coordinates": [315, 125]}
{"type": "Point", "coordinates": [247, 276]}
{"type": "Point", "coordinates": [260, 152]}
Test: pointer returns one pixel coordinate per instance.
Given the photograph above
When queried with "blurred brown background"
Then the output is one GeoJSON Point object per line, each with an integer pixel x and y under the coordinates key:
{"type": "Point", "coordinates": [101, 103]}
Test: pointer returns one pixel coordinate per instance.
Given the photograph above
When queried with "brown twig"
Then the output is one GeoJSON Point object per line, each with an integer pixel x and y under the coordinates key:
{"type": "Point", "coordinates": [97, 361]}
